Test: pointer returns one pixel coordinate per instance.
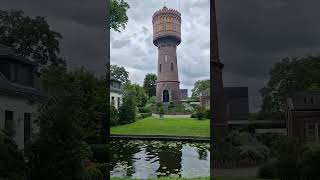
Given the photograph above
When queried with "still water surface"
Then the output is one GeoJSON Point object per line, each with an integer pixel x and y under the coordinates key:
{"type": "Point", "coordinates": [152, 159]}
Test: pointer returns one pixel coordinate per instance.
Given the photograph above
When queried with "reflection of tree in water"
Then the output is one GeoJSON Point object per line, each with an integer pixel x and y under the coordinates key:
{"type": "Point", "coordinates": [169, 156]}
{"type": "Point", "coordinates": [124, 151]}
{"type": "Point", "coordinates": [202, 149]}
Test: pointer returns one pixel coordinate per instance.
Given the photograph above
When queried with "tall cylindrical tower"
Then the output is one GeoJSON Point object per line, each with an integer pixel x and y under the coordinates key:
{"type": "Point", "coordinates": [167, 36]}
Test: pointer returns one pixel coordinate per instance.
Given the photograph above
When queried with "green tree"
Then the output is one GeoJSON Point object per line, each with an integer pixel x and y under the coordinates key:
{"type": "Point", "coordinates": [149, 84]}
{"type": "Point", "coordinates": [32, 38]}
{"type": "Point", "coordinates": [286, 77]}
{"type": "Point", "coordinates": [127, 111]}
{"type": "Point", "coordinates": [199, 86]}
{"type": "Point", "coordinates": [120, 73]}
{"type": "Point", "coordinates": [90, 90]}
{"type": "Point", "coordinates": [57, 153]}
{"type": "Point", "coordinates": [118, 14]}
{"type": "Point", "coordinates": [140, 95]}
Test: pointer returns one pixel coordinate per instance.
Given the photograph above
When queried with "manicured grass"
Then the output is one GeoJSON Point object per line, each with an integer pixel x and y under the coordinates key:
{"type": "Point", "coordinates": [166, 126]}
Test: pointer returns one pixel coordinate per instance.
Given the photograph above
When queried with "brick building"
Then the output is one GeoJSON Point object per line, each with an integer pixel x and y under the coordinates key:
{"type": "Point", "coordinates": [303, 115]}
{"type": "Point", "coordinates": [167, 36]}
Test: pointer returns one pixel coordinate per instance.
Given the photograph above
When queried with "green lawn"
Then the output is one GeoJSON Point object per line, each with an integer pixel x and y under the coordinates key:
{"type": "Point", "coordinates": [203, 178]}
{"type": "Point", "coordinates": [166, 126]}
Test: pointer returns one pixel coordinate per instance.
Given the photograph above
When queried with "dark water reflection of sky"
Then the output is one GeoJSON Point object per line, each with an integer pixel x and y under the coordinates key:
{"type": "Point", "coordinates": [151, 159]}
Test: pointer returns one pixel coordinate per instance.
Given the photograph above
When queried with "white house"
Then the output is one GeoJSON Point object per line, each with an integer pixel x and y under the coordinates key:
{"type": "Point", "coordinates": [19, 97]}
{"type": "Point", "coordinates": [115, 92]}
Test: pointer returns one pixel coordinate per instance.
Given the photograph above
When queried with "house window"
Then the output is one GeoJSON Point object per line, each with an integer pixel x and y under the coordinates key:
{"type": "Point", "coordinates": [171, 66]}
{"type": "Point", "coordinates": [312, 132]}
{"type": "Point", "coordinates": [119, 102]}
{"type": "Point", "coordinates": [112, 101]}
{"type": "Point", "coordinates": [8, 123]}
{"type": "Point", "coordinates": [166, 58]}
{"type": "Point", "coordinates": [160, 68]}
{"type": "Point", "coordinates": [27, 129]}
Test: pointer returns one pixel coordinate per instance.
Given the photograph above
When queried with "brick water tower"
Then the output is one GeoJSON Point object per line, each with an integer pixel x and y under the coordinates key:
{"type": "Point", "coordinates": [167, 36]}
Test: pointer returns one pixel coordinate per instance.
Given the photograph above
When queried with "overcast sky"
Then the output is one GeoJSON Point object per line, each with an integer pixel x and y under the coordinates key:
{"type": "Point", "coordinates": [133, 48]}
{"type": "Point", "coordinates": [82, 24]}
{"type": "Point", "coordinates": [253, 35]}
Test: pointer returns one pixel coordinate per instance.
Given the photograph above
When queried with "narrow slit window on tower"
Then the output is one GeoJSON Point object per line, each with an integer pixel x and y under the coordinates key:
{"type": "Point", "coordinates": [164, 25]}
{"type": "Point", "coordinates": [171, 66]}
{"type": "Point", "coordinates": [166, 58]}
{"type": "Point", "coordinates": [160, 68]}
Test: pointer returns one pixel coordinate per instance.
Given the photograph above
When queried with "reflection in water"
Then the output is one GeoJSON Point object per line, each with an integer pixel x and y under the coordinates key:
{"type": "Point", "coordinates": [151, 159]}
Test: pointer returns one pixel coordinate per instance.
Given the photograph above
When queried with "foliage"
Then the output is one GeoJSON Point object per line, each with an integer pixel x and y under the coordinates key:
{"type": "Point", "coordinates": [32, 38]}
{"type": "Point", "coordinates": [207, 113]}
{"type": "Point", "coordinates": [287, 151]}
{"type": "Point", "coordinates": [92, 173]}
{"type": "Point", "coordinates": [127, 111]}
{"type": "Point", "coordinates": [268, 139]}
{"type": "Point", "coordinates": [145, 115]}
{"type": "Point", "coordinates": [119, 73]}
{"type": "Point", "coordinates": [242, 145]}
{"type": "Point", "coordinates": [58, 152]}
{"type": "Point", "coordinates": [87, 89]}
{"type": "Point", "coordinates": [309, 161]}
{"type": "Point", "coordinates": [286, 77]}
{"type": "Point", "coordinates": [268, 170]}
{"type": "Point", "coordinates": [100, 152]}
{"type": "Point", "coordinates": [12, 165]}
{"type": "Point", "coordinates": [199, 86]}
{"type": "Point", "coordinates": [161, 110]}
{"type": "Point", "coordinates": [140, 95]}
{"type": "Point", "coordinates": [144, 110]}
{"type": "Point", "coordinates": [200, 112]}
{"type": "Point", "coordinates": [118, 16]}
{"type": "Point", "coordinates": [149, 84]}
{"type": "Point", "coordinates": [114, 116]}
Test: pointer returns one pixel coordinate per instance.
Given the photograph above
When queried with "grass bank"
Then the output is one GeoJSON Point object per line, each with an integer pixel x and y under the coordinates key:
{"type": "Point", "coordinates": [167, 126]}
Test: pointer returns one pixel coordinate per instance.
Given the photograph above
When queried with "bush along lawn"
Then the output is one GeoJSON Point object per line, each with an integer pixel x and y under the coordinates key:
{"type": "Point", "coordinates": [165, 126]}
{"type": "Point", "coordinates": [199, 178]}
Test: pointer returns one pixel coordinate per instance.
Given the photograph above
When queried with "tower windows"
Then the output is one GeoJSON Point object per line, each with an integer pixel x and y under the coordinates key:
{"type": "Point", "coordinates": [171, 66]}
{"type": "Point", "coordinates": [160, 68]}
{"type": "Point", "coordinates": [166, 58]}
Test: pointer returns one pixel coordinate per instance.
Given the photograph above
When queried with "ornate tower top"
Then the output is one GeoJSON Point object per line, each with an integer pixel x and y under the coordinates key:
{"type": "Point", "coordinates": [166, 24]}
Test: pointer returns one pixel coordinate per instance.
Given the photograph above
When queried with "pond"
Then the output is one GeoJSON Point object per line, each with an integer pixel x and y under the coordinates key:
{"type": "Point", "coordinates": [152, 159]}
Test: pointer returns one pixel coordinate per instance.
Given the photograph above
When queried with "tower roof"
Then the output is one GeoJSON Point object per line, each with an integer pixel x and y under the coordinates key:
{"type": "Point", "coordinates": [166, 10]}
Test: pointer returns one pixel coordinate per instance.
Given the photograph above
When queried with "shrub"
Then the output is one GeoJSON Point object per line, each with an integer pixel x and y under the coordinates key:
{"type": "Point", "coordinates": [268, 170]}
{"type": "Point", "coordinates": [104, 168]}
{"type": "Point", "coordinates": [114, 116]}
{"type": "Point", "coordinates": [100, 152]}
{"type": "Point", "coordinates": [309, 161]}
{"type": "Point", "coordinates": [161, 110]}
{"type": "Point", "coordinates": [193, 115]}
{"type": "Point", "coordinates": [12, 165]}
{"type": "Point", "coordinates": [287, 151]}
{"type": "Point", "coordinates": [145, 115]}
{"type": "Point", "coordinates": [146, 109]}
{"type": "Point", "coordinates": [200, 112]}
{"type": "Point", "coordinates": [207, 114]}
{"type": "Point", "coordinates": [92, 173]}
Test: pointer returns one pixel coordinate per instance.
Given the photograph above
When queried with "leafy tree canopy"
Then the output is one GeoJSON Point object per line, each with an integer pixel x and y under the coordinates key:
{"type": "Point", "coordinates": [119, 73]}
{"type": "Point", "coordinates": [32, 38]}
{"type": "Point", "coordinates": [287, 77]}
{"type": "Point", "coordinates": [149, 84]}
{"type": "Point", "coordinates": [200, 86]}
{"type": "Point", "coordinates": [118, 16]}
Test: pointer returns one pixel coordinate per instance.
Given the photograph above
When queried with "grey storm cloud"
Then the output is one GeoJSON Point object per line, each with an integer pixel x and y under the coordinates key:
{"type": "Point", "coordinates": [253, 35]}
{"type": "Point", "coordinates": [82, 24]}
